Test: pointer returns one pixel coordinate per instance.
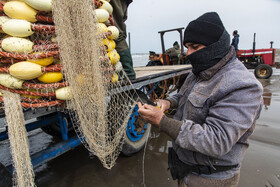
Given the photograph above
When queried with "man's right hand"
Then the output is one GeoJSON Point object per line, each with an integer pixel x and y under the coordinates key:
{"type": "Point", "coordinates": [163, 104]}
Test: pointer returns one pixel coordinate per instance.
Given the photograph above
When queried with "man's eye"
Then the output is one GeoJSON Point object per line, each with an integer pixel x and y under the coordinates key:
{"type": "Point", "coordinates": [195, 47]}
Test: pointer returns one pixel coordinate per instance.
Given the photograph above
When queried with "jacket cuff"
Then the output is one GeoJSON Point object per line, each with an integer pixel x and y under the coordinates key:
{"type": "Point", "coordinates": [170, 126]}
{"type": "Point", "coordinates": [173, 104]}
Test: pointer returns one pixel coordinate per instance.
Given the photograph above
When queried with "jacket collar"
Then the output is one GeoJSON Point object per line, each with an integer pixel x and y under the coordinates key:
{"type": "Point", "coordinates": [210, 72]}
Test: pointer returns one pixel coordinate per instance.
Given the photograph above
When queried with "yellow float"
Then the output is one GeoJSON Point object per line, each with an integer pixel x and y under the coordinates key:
{"type": "Point", "coordinates": [101, 28]}
{"type": "Point", "coordinates": [110, 44]}
{"type": "Point", "coordinates": [9, 81]}
{"type": "Point", "coordinates": [17, 27]}
{"type": "Point", "coordinates": [106, 6]}
{"type": "Point", "coordinates": [3, 19]}
{"type": "Point", "coordinates": [101, 15]}
{"type": "Point", "coordinates": [42, 61]}
{"type": "Point", "coordinates": [113, 56]}
{"type": "Point", "coordinates": [115, 78]}
{"type": "Point", "coordinates": [17, 45]}
{"type": "Point", "coordinates": [26, 70]}
{"type": "Point", "coordinates": [64, 93]}
{"type": "Point", "coordinates": [114, 32]}
{"type": "Point", "coordinates": [51, 77]}
{"type": "Point", "coordinates": [31, 96]}
{"type": "Point", "coordinates": [20, 10]}
{"type": "Point", "coordinates": [118, 67]}
{"type": "Point", "coordinates": [42, 5]}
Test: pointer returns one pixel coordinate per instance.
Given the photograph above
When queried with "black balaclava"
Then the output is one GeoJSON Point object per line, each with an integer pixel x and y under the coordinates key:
{"type": "Point", "coordinates": [208, 30]}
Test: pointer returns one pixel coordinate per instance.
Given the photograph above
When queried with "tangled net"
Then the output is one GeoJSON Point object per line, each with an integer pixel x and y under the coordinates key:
{"type": "Point", "coordinates": [18, 140]}
{"type": "Point", "coordinates": [66, 58]}
{"type": "Point", "coordinates": [101, 115]}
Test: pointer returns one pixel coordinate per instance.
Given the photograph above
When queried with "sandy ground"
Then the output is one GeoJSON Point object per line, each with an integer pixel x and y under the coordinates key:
{"type": "Point", "coordinates": [261, 166]}
{"type": "Point", "coordinates": [78, 168]}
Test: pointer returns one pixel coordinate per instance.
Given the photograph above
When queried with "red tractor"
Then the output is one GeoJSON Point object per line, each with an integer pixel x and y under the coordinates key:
{"type": "Point", "coordinates": [262, 60]}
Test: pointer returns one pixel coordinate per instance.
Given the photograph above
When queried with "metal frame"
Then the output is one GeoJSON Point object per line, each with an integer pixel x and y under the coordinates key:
{"type": "Point", "coordinates": [180, 30]}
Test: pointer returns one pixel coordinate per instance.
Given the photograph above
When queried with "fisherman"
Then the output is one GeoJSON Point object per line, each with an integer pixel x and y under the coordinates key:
{"type": "Point", "coordinates": [235, 40]}
{"type": "Point", "coordinates": [175, 50]}
{"type": "Point", "coordinates": [120, 16]}
{"type": "Point", "coordinates": [154, 59]}
{"type": "Point", "coordinates": [174, 54]}
{"type": "Point", "coordinates": [217, 108]}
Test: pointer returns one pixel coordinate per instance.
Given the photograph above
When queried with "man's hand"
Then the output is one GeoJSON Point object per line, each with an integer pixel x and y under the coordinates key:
{"type": "Point", "coordinates": [150, 113]}
{"type": "Point", "coordinates": [163, 104]}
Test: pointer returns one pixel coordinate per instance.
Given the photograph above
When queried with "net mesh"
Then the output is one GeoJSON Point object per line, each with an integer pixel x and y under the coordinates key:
{"type": "Point", "coordinates": [65, 58]}
{"type": "Point", "coordinates": [18, 140]}
{"type": "Point", "coordinates": [100, 109]}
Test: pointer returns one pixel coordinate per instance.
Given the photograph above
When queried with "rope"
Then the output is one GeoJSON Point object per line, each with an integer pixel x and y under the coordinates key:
{"type": "Point", "coordinates": [43, 42]}
{"type": "Point", "coordinates": [24, 92]}
{"type": "Point", "coordinates": [51, 68]}
{"type": "Point", "coordinates": [45, 47]}
{"type": "Point", "coordinates": [42, 28]}
{"type": "Point", "coordinates": [37, 103]}
{"type": "Point", "coordinates": [49, 29]}
{"type": "Point", "coordinates": [2, 6]}
{"type": "Point", "coordinates": [4, 70]}
{"type": "Point", "coordinates": [43, 86]}
{"type": "Point", "coordinates": [97, 3]}
{"type": "Point", "coordinates": [8, 60]}
{"type": "Point", "coordinates": [111, 20]}
{"type": "Point", "coordinates": [41, 105]}
{"type": "Point", "coordinates": [43, 18]}
{"type": "Point", "coordinates": [29, 56]}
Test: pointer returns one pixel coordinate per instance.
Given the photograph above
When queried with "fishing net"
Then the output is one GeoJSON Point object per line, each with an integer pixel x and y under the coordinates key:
{"type": "Point", "coordinates": [101, 109]}
{"type": "Point", "coordinates": [18, 140]}
{"type": "Point", "coordinates": [65, 58]}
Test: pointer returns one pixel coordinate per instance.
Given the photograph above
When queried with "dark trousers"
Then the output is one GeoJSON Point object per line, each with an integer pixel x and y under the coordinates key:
{"type": "Point", "coordinates": [120, 16]}
{"type": "Point", "coordinates": [198, 181]}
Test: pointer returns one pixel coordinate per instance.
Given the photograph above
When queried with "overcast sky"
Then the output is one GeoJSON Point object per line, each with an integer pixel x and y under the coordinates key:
{"type": "Point", "coordinates": [147, 17]}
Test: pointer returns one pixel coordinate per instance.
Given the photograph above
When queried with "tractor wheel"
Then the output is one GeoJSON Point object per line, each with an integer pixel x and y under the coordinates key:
{"type": "Point", "coordinates": [54, 130]}
{"type": "Point", "coordinates": [263, 71]}
{"type": "Point", "coordinates": [137, 131]}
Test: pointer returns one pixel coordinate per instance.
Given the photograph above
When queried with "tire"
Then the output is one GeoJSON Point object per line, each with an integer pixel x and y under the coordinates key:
{"type": "Point", "coordinates": [263, 71]}
{"type": "Point", "coordinates": [6, 177]}
{"type": "Point", "coordinates": [131, 147]}
{"type": "Point", "coordinates": [53, 129]}
{"type": "Point", "coordinates": [134, 142]}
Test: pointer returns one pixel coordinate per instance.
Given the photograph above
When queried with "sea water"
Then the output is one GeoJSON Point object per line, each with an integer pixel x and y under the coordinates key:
{"type": "Point", "coordinates": [140, 59]}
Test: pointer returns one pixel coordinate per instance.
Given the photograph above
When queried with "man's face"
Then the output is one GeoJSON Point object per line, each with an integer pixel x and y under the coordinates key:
{"type": "Point", "coordinates": [193, 47]}
{"type": "Point", "coordinates": [151, 57]}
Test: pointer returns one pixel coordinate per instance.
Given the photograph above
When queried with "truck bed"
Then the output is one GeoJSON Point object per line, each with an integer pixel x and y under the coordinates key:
{"type": "Point", "coordinates": [144, 76]}
{"type": "Point", "coordinates": [147, 72]}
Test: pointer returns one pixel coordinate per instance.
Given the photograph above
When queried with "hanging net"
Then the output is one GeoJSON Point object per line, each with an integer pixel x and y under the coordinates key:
{"type": "Point", "coordinates": [100, 108]}
{"type": "Point", "coordinates": [62, 54]}
{"type": "Point", "coordinates": [18, 140]}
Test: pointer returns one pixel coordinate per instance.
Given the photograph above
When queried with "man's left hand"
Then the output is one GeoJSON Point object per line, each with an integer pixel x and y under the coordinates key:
{"type": "Point", "coordinates": [150, 113]}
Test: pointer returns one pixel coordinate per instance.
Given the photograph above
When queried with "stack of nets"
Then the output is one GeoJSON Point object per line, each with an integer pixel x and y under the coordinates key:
{"type": "Point", "coordinates": [61, 53]}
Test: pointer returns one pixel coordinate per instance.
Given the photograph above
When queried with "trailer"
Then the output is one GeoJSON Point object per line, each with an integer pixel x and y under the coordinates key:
{"type": "Point", "coordinates": [56, 122]}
